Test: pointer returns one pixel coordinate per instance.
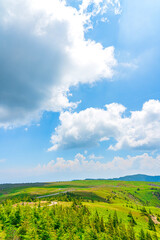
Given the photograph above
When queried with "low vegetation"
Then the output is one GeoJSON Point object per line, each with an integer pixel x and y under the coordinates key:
{"type": "Point", "coordinates": [80, 210]}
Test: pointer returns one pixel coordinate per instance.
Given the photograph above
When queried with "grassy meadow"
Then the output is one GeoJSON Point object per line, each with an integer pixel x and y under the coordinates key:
{"type": "Point", "coordinates": [134, 203]}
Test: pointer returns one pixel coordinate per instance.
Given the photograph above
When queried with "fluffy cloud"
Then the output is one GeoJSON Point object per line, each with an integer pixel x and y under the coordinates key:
{"type": "Point", "coordinates": [91, 8]}
{"type": "Point", "coordinates": [85, 166]}
{"type": "Point", "coordinates": [140, 130]}
{"type": "Point", "coordinates": [93, 157]}
{"type": "Point", "coordinates": [82, 167]}
{"type": "Point", "coordinates": [43, 53]}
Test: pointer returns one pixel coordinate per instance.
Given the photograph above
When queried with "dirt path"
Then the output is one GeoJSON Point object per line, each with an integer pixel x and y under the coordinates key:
{"type": "Point", "coordinates": [154, 219]}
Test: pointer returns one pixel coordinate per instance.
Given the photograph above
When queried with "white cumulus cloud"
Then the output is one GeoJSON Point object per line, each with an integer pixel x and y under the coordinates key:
{"type": "Point", "coordinates": [140, 130]}
{"type": "Point", "coordinates": [81, 167]}
{"type": "Point", "coordinates": [119, 166]}
{"type": "Point", "coordinates": [43, 53]}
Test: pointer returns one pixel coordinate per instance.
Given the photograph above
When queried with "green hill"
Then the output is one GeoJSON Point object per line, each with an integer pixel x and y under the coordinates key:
{"type": "Point", "coordinates": [82, 209]}
{"type": "Point", "coordinates": [139, 177]}
{"type": "Point", "coordinates": [136, 177]}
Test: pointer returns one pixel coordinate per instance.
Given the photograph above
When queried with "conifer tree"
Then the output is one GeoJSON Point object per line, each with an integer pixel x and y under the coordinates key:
{"type": "Point", "coordinates": [131, 219]}
{"type": "Point", "coordinates": [144, 211]}
{"type": "Point", "coordinates": [115, 219]}
{"type": "Point", "coordinates": [109, 225]}
{"type": "Point", "coordinates": [155, 237]}
{"type": "Point", "coordinates": [131, 233]}
{"type": "Point", "coordinates": [142, 235]}
{"type": "Point", "coordinates": [151, 225]}
{"type": "Point", "coordinates": [102, 225]}
{"type": "Point", "coordinates": [97, 222]}
{"type": "Point", "coordinates": [148, 236]}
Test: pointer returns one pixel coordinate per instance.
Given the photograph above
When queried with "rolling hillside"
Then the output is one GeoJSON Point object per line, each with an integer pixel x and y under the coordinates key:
{"type": "Point", "coordinates": [103, 198]}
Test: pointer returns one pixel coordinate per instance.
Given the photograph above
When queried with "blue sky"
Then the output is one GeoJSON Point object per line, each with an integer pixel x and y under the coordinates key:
{"type": "Point", "coordinates": [79, 89]}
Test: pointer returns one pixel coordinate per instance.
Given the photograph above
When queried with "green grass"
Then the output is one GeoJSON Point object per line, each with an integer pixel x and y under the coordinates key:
{"type": "Point", "coordinates": [104, 196]}
{"type": "Point", "coordinates": [118, 191]}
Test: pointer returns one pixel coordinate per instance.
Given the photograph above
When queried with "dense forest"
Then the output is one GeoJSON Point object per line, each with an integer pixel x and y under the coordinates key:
{"type": "Point", "coordinates": [24, 221]}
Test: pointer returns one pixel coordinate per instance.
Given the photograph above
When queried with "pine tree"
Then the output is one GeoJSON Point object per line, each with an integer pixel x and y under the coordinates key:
{"type": "Point", "coordinates": [102, 225]}
{"type": "Point", "coordinates": [148, 236]}
{"type": "Point", "coordinates": [131, 219]}
{"type": "Point", "coordinates": [109, 225]}
{"type": "Point", "coordinates": [131, 233]}
{"type": "Point", "coordinates": [123, 232]}
{"type": "Point", "coordinates": [144, 211]}
{"type": "Point", "coordinates": [115, 219]}
{"type": "Point", "coordinates": [142, 235]}
{"type": "Point", "coordinates": [151, 225]}
{"type": "Point", "coordinates": [96, 222]}
{"type": "Point", "coordinates": [155, 237]}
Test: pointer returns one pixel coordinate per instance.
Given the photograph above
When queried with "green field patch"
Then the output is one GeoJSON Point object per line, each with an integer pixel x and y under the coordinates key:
{"type": "Point", "coordinates": [87, 196]}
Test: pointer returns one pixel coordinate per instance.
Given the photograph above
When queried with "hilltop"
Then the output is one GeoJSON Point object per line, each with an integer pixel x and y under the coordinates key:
{"type": "Point", "coordinates": [139, 177]}
{"type": "Point", "coordinates": [136, 177]}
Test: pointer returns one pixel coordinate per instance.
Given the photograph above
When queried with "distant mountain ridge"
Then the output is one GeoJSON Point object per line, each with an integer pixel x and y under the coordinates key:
{"type": "Point", "coordinates": [136, 177]}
